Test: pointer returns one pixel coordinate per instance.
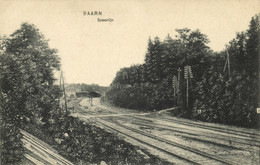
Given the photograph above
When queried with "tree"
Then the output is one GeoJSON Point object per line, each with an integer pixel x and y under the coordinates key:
{"type": "Point", "coordinates": [233, 99]}
{"type": "Point", "coordinates": [193, 51]}
{"type": "Point", "coordinates": [26, 64]}
{"type": "Point", "coordinates": [153, 60]}
{"type": "Point", "coordinates": [11, 144]}
{"type": "Point", "coordinates": [34, 62]}
{"type": "Point", "coordinates": [253, 46]}
{"type": "Point", "coordinates": [170, 60]}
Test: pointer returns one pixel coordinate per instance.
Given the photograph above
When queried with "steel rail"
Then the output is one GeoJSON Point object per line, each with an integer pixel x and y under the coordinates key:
{"type": "Point", "coordinates": [173, 144]}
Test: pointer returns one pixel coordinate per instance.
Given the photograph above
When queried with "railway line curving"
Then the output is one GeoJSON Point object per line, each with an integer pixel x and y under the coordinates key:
{"type": "Point", "coordinates": [199, 154]}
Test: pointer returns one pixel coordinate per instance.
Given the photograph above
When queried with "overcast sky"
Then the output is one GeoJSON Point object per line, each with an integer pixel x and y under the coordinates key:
{"type": "Point", "coordinates": [92, 51]}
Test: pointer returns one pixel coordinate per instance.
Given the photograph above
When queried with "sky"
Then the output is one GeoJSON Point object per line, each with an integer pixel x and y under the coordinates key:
{"type": "Point", "coordinates": [92, 51]}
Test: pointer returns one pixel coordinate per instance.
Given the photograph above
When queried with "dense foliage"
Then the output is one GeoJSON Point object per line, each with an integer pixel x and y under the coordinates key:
{"type": "Point", "coordinates": [221, 90]}
{"type": "Point", "coordinates": [149, 86]}
{"type": "Point", "coordinates": [26, 64]}
{"type": "Point", "coordinates": [232, 99]}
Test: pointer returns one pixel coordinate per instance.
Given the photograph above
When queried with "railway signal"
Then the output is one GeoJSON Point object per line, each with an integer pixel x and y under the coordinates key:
{"type": "Point", "coordinates": [187, 75]}
{"type": "Point", "coordinates": [179, 79]}
{"type": "Point", "coordinates": [175, 87]}
{"type": "Point", "coordinates": [187, 72]}
{"type": "Point", "coordinates": [174, 82]}
{"type": "Point", "coordinates": [179, 88]}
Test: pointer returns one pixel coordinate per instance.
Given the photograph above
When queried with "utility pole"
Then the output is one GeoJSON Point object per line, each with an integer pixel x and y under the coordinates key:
{"type": "Point", "coordinates": [258, 102]}
{"type": "Point", "coordinates": [64, 94]}
{"type": "Point", "coordinates": [187, 93]}
{"type": "Point", "coordinates": [179, 75]}
{"type": "Point", "coordinates": [227, 63]}
{"type": "Point", "coordinates": [60, 94]}
{"type": "Point", "coordinates": [60, 87]}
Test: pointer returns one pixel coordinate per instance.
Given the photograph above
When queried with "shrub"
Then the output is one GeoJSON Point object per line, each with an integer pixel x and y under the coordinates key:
{"type": "Point", "coordinates": [89, 143]}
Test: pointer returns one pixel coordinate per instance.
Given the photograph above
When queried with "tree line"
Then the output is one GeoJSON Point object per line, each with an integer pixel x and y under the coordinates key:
{"type": "Point", "coordinates": [224, 84]}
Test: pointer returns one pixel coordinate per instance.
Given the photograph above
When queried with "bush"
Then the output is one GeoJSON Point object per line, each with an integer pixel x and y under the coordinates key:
{"type": "Point", "coordinates": [77, 141]}
{"type": "Point", "coordinates": [11, 145]}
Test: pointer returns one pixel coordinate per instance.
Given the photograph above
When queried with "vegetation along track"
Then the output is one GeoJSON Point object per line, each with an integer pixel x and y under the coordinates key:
{"type": "Point", "coordinates": [198, 157]}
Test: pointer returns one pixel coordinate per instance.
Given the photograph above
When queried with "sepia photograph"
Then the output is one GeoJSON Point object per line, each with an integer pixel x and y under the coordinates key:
{"type": "Point", "coordinates": [129, 82]}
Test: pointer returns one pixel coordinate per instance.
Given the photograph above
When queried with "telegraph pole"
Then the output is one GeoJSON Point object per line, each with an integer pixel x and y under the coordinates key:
{"type": "Point", "coordinates": [64, 94]}
{"type": "Point", "coordinates": [60, 93]}
{"type": "Point", "coordinates": [179, 75]}
{"type": "Point", "coordinates": [258, 100]}
{"type": "Point", "coordinates": [227, 63]}
{"type": "Point", "coordinates": [187, 93]}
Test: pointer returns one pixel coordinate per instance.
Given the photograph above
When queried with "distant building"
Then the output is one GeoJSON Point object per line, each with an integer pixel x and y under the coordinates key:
{"type": "Point", "coordinates": [88, 94]}
{"type": "Point", "coordinates": [82, 94]}
{"type": "Point", "coordinates": [94, 94]}
{"type": "Point", "coordinates": [72, 92]}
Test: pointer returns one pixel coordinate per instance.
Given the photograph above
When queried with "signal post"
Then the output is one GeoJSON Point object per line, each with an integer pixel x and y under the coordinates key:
{"type": "Point", "coordinates": [187, 74]}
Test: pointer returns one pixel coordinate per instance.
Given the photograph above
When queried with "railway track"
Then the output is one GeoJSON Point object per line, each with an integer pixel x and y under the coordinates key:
{"type": "Point", "coordinates": [240, 139]}
{"type": "Point", "coordinates": [214, 139]}
{"type": "Point", "coordinates": [198, 133]}
{"type": "Point", "coordinates": [214, 128]}
{"type": "Point", "coordinates": [250, 135]}
{"type": "Point", "coordinates": [225, 140]}
{"type": "Point", "coordinates": [180, 151]}
{"type": "Point", "coordinates": [217, 129]}
{"type": "Point", "coordinates": [43, 154]}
